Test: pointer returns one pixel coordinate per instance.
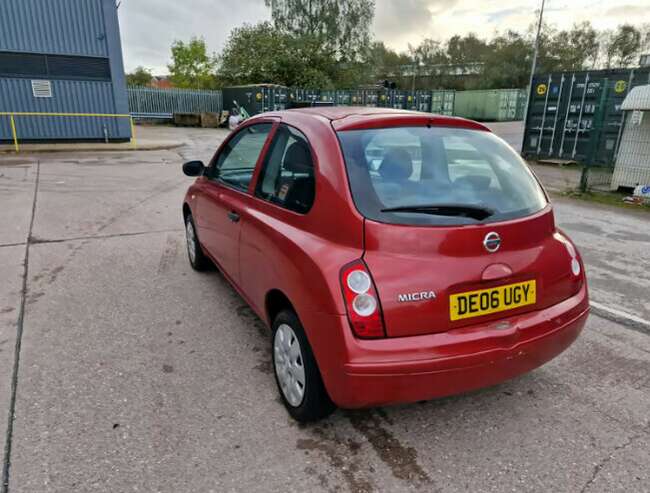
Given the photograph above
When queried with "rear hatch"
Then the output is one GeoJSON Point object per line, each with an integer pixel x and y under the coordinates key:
{"type": "Point", "coordinates": [419, 270]}
{"type": "Point", "coordinates": [457, 230]}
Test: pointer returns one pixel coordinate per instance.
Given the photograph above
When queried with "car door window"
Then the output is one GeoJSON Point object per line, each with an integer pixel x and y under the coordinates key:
{"type": "Point", "coordinates": [287, 175]}
{"type": "Point", "coordinates": [236, 162]}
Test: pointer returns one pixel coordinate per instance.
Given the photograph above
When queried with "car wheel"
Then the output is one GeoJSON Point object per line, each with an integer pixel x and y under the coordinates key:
{"type": "Point", "coordinates": [296, 372]}
{"type": "Point", "coordinates": [198, 260]}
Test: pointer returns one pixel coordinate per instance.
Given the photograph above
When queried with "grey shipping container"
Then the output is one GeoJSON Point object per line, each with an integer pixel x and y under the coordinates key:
{"type": "Point", "coordinates": [61, 57]}
{"type": "Point", "coordinates": [256, 98]}
{"type": "Point", "coordinates": [577, 116]}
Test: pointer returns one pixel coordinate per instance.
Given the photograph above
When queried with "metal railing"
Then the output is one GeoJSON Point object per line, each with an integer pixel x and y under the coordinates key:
{"type": "Point", "coordinates": [146, 102]}
{"type": "Point", "coordinates": [14, 132]}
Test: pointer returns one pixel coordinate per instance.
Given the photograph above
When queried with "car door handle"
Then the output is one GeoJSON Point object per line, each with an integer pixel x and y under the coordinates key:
{"type": "Point", "coordinates": [233, 216]}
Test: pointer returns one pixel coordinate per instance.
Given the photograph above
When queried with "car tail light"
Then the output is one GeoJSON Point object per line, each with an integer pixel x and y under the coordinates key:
{"type": "Point", "coordinates": [576, 267]}
{"type": "Point", "coordinates": [361, 301]}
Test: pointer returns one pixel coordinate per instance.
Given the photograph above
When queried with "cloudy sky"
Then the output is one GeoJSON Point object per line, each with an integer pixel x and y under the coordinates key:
{"type": "Point", "coordinates": [150, 26]}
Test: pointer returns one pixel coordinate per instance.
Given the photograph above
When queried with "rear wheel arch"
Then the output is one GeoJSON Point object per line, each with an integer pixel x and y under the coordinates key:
{"type": "Point", "coordinates": [275, 302]}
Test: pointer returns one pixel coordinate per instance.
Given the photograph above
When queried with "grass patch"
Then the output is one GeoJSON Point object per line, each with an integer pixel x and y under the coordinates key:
{"type": "Point", "coordinates": [606, 198]}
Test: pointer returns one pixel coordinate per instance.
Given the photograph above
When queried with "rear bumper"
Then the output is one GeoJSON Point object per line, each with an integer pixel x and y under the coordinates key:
{"type": "Point", "coordinates": [408, 369]}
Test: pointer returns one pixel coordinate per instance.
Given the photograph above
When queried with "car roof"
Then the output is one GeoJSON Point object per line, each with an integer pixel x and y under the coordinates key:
{"type": "Point", "coordinates": [363, 117]}
{"type": "Point", "coordinates": [338, 112]}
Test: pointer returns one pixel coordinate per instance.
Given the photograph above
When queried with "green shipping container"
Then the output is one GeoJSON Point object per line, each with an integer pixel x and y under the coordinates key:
{"type": "Point", "coordinates": [498, 105]}
{"type": "Point", "coordinates": [443, 102]}
{"type": "Point", "coordinates": [299, 95]}
{"type": "Point", "coordinates": [577, 116]}
{"type": "Point", "coordinates": [257, 98]}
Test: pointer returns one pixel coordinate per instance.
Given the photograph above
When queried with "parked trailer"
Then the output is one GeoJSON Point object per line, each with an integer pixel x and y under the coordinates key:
{"type": "Point", "coordinates": [576, 116]}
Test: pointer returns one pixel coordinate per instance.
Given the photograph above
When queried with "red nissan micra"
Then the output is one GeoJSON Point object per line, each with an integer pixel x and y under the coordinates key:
{"type": "Point", "coordinates": [397, 256]}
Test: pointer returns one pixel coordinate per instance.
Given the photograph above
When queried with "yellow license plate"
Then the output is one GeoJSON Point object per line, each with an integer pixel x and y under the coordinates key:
{"type": "Point", "coordinates": [492, 300]}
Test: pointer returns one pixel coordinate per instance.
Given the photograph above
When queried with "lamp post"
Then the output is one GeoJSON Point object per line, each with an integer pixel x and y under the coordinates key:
{"type": "Point", "coordinates": [535, 55]}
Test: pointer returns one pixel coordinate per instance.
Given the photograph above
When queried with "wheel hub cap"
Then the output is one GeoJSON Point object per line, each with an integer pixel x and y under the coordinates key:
{"type": "Point", "coordinates": [191, 240]}
{"type": "Point", "coordinates": [289, 366]}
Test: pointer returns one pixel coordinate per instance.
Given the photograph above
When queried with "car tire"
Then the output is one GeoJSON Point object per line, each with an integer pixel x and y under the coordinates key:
{"type": "Point", "coordinates": [293, 361]}
{"type": "Point", "coordinates": [198, 259]}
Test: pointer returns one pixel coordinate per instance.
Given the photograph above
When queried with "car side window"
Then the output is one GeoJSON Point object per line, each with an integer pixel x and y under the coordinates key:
{"type": "Point", "coordinates": [235, 164]}
{"type": "Point", "coordinates": [287, 175]}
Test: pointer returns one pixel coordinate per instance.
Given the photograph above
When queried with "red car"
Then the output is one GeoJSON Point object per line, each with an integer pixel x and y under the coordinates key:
{"type": "Point", "coordinates": [397, 256]}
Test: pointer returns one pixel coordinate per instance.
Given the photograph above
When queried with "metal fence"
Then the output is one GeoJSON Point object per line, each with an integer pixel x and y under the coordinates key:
{"type": "Point", "coordinates": [145, 102]}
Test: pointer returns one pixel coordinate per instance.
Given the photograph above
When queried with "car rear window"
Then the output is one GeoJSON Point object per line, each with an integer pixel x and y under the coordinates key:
{"type": "Point", "coordinates": [437, 176]}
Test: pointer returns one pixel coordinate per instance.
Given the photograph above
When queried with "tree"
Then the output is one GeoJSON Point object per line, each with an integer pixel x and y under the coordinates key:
{"type": "Point", "coordinates": [576, 49]}
{"type": "Point", "coordinates": [507, 62]}
{"type": "Point", "coordinates": [466, 49]}
{"type": "Point", "coordinates": [384, 63]}
{"type": "Point", "coordinates": [192, 67]}
{"type": "Point", "coordinates": [139, 77]}
{"type": "Point", "coordinates": [621, 47]}
{"type": "Point", "coordinates": [262, 53]}
{"type": "Point", "coordinates": [340, 26]}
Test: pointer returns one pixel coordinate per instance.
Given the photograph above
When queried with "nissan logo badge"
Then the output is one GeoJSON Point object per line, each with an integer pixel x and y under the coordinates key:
{"type": "Point", "coordinates": [492, 242]}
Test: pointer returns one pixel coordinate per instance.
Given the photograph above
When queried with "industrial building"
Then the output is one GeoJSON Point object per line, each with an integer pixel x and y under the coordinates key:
{"type": "Point", "coordinates": [61, 72]}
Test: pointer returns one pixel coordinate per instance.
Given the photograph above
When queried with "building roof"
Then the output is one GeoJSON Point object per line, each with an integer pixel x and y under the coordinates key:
{"type": "Point", "coordinates": [637, 99]}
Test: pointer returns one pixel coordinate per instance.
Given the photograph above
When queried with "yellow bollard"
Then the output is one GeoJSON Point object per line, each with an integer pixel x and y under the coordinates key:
{"type": "Point", "coordinates": [13, 133]}
{"type": "Point", "coordinates": [134, 142]}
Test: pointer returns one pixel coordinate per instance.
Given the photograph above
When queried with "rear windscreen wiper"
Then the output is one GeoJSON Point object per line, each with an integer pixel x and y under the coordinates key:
{"type": "Point", "coordinates": [474, 211]}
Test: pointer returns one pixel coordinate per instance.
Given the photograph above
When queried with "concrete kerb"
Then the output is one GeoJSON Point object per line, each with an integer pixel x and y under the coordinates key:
{"type": "Point", "coordinates": [88, 147]}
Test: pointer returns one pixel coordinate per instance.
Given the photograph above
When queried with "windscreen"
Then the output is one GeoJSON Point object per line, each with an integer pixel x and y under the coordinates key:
{"type": "Point", "coordinates": [437, 176]}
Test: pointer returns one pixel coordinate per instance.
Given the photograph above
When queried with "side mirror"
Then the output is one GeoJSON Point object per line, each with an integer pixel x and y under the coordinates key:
{"type": "Point", "coordinates": [193, 168]}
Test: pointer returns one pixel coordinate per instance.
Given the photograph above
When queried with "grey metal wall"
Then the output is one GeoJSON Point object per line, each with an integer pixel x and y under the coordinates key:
{"type": "Point", "coordinates": [64, 27]}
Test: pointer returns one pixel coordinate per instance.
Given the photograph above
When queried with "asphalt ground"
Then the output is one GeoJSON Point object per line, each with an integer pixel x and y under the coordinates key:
{"type": "Point", "coordinates": [137, 374]}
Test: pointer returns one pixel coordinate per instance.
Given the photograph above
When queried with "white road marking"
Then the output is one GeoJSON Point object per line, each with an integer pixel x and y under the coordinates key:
{"type": "Point", "coordinates": [619, 314]}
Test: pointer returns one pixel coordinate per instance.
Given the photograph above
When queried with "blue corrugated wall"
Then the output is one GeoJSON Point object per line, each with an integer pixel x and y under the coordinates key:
{"type": "Point", "coordinates": [64, 27]}
{"type": "Point", "coordinates": [67, 97]}
{"type": "Point", "coordinates": [71, 27]}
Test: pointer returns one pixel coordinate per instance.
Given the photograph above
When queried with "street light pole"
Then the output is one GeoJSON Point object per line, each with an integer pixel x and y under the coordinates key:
{"type": "Point", "coordinates": [535, 55]}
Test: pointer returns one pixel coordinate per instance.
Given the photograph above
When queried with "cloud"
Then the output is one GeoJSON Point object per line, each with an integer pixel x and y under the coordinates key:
{"type": "Point", "coordinates": [628, 11]}
{"type": "Point", "coordinates": [400, 22]}
{"type": "Point", "coordinates": [150, 26]}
